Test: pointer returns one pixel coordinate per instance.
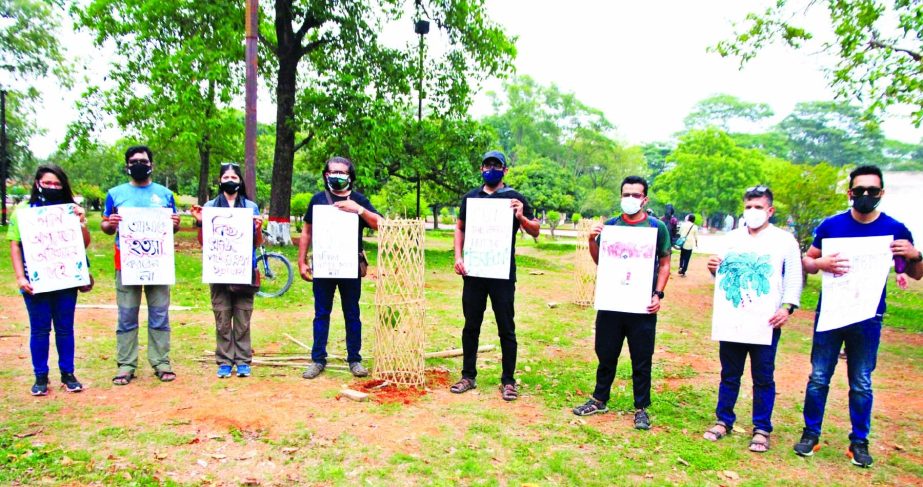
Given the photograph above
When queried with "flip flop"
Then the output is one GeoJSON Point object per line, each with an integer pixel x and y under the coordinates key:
{"type": "Point", "coordinates": [123, 378]}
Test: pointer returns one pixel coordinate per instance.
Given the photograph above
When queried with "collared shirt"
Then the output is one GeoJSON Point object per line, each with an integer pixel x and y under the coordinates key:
{"type": "Point", "coordinates": [508, 193]}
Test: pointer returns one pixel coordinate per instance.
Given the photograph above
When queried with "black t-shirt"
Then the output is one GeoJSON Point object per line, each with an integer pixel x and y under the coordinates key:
{"type": "Point", "coordinates": [321, 199]}
{"type": "Point", "coordinates": [508, 193]}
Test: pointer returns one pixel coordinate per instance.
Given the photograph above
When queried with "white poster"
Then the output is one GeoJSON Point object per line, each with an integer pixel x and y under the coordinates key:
{"type": "Point", "coordinates": [334, 243]}
{"type": "Point", "coordinates": [52, 244]}
{"type": "Point", "coordinates": [625, 274]}
{"type": "Point", "coordinates": [854, 296]}
{"type": "Point", "coordinates": [146, 246]}
{"type": "Point", "coordinates": [227, 245]}
{"type": "Point", "coordinates": [488, 237]}
{"type": "Point", "coordinates": [743, 301]}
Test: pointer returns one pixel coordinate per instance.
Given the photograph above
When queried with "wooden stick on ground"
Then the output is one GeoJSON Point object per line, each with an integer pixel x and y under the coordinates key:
{"type": "Point", "coordinates": [272, 363]}
{"type": "Point", "coordinates": [452, 352]}
{"type": "Point", "coordinates": [296, 341]}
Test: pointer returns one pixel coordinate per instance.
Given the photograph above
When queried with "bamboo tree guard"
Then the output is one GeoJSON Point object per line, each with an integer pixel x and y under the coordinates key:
{"type": "Point", "coordinates": [584, 267]}
{"type": "Point", "coordinates": [399, 303]}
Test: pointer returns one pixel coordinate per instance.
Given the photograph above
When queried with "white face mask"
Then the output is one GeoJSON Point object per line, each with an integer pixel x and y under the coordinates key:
{"type": "Point", "coordinates": [630, 205]}
{"type": "Point", "coordinates": [755, 218]}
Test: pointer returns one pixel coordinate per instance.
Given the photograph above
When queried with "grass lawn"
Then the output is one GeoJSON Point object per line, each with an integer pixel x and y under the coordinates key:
{"type": "Point", "coordinates": [276, 428]}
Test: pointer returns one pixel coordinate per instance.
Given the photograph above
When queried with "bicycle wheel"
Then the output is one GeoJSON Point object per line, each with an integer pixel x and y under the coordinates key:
{"type": "Point", "coordinates": [277, 275]}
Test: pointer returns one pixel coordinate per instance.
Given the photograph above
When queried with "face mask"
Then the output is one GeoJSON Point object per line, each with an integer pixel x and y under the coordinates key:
{"type": "Point", "coordinates": [337, 183]}
{"type": "Point", "coordinates": [492, 176]}
{"type": "Point", "coordinates": [50, 195]}
{"type": "Point", "coordinates": [755, 218]}
{"type": "Point", "coordinates": [630, 205]}
{"type": "Point", "coordinates": [865, 204]}
{"type": "Point", "coordinates": [229, 187]}
{"type": "Point", "coordinates": [140, 172]}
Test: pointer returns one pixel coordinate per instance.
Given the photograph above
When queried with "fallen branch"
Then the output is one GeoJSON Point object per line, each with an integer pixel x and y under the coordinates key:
{"type": "Point", "coordinates": [273, 363]}
{"type": "Point", "coordinates": [456, 352]}
{"type": "Point", "coordinates": [296, 341]}
{"type": "Point", "coordinates": [452, 352]}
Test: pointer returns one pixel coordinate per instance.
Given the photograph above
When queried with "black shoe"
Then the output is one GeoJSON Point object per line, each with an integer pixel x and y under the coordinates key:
{"type": "Point", "coordinates": [591, 407]}
{"type": "Point", "coordinates": [642, 420]}
{"type": "Point", "coordinates": [70, 382]}
{"type": "Point", "coordinates": [807, 445]}
{"type": "Point", "coordinates": [40, 388]}
{"type": "Point", "coordinates": [859, 453]}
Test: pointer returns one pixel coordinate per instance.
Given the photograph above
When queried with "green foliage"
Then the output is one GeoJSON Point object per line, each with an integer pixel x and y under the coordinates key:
{"type": "Point", "coordinates": [544, 183]}
{"type": "Point", "coordinates": [805, 193]}
{"type": "Point", "coordinates": [831, 132]}
{"type": "Point", "coordinates": [29, 46]}
{"type": "Point", "coordinates": [600, 202]}
{"type": "Point", "coordinates": [721, 110]}
{"type": "Point", "coordinates": [554, 219]}
{"type": "Point", "coordinates": [575, 218]}
{"type": "Point", "coordinates": [300, 203]}
{"type": "Point", "coordinates": [877, 47]}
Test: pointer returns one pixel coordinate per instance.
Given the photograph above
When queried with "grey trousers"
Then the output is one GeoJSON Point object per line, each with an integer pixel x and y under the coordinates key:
{"type": "Point", "coordinates": [232, 326]}
{"type": "Point", "coordinates": [128, 300]}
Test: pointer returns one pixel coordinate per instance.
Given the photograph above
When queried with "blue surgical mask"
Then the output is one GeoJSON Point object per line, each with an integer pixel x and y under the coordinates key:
{"type": "Point", "coordinates": [492, 176]}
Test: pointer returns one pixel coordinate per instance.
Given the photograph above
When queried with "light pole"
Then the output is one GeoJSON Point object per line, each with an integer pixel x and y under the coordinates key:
{"type": "Point", "coordinates": [420, 27]}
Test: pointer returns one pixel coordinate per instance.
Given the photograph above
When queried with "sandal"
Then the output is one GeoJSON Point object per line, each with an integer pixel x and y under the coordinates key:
{"type": "Point", "coordinates": [463, 385]}
{"type": "Point", "coordinates": [123, 378]}
{"type": "Point", "coordinates": [508, 392]}
{"type": "Point", "coordinates": [759, 446]}
{"type": "Point", "coordinates": [165, 375]}
{"type": "Point", "coordinates": [716, 432]}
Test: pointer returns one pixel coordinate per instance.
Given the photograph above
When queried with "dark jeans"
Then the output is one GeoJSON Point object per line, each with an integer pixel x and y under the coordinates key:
{"type": "Point", "coordinates": [762, 365]}
{"type": "Point", "coordinates": [612, 328]}
{"type": "Point", "coordinates": [861, 341]}
{"type": "Point", "coordinates": [684, 257]}
{"type": "Point", "coordinates": [475, 292]}
{"type": "Point", "coordinates": [47, 309]}
{"type": "Point", "coordinates": [350, 290]}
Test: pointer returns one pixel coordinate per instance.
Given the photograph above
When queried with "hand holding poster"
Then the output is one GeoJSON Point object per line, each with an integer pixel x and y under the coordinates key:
{"type": "Point", "coordinates": [146, 246]}
{"type": "Point", "coordinates": [488, 238]}
{"type": "Point", "coordinates": [335, 243]}
{"type": "Point", "coordinates": [625, 274]}
{"type": "Point", "coordinates": [743, 303]}
{"type": "Point", "coordinates": [52, 245]}
{"type": "Point", "coordinates": [227, 245]}
{"type": "Point", "coordinates": [854, 296]}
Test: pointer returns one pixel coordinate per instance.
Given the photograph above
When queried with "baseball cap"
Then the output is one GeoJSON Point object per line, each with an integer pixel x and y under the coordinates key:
{"type": "Point", "coordinates": [494, 155]}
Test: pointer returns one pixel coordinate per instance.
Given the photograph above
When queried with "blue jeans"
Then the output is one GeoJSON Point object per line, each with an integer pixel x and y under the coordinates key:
{"type": "Point", "coordinates": [350, 290]}
{"type": "Point", "coordinates": [861, 341]}
{"type": "Point", "coordinates": [762, 366]}
{"type": "Point", "coordinates": [45, 309]}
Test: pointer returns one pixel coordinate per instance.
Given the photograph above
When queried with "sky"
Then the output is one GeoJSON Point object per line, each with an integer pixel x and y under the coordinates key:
{"type": "Point", "coordinates": [644, 64]}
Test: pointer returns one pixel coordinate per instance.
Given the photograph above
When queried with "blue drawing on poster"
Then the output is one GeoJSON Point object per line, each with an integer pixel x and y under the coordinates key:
{"type": "Point", "coordinates": [743, 272]}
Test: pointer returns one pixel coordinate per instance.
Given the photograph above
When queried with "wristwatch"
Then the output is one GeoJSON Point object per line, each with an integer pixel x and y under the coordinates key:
{"type": "Point", "coordinates": [790, 308]}
{"type": "Point", "coordinates": [360, 211]}
{"type": "Point", "coordinates": [918, 258]}
{"type": "Point", "coordinates": [659, 294]}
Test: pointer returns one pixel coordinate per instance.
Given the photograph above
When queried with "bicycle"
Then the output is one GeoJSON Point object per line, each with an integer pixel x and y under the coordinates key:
{"type": "Point", "coordinates": [277, 272]}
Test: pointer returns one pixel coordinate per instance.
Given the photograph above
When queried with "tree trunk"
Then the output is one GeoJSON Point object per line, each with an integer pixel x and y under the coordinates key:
{"type": "Point", "coordinates": [436, 217]}
{"type": "Point", "coordinates": [205, 154]}
{"type": "Point", "coordinates": [280, 198]}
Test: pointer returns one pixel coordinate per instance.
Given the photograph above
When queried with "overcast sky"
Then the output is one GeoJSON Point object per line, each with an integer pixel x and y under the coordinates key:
{"type": "Point", "coordinates": [644, 64]}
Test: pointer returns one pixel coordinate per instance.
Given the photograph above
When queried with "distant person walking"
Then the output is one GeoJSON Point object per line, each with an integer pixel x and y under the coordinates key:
{"type": "Point", "coordinates": [687, 241]}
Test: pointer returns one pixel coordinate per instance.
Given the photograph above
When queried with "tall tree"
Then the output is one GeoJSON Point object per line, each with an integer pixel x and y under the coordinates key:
{"type": "Point", "coordinates": [877, 47]}
{"type": "Point", "coordinates": [721, 111]}
{"type": "Point", "coordinates": [831, 132]}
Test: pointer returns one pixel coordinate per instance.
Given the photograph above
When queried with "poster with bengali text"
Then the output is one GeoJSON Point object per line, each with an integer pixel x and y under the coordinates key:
{"type": "Point", "coordinates": [146, 246]}
{"type": "Point", "coordinates": [227, 245]}
{"type": "Point", "coordinates": [52, 244]}
{"type": "Point", "coordinates": [854, 296]}
{"type": "Point", "coordinates": [334, 243]}
{"type": "Point", "coordinates": [488, 238]}
{"type": "Point", "coordinates": [625, 274]}
{"type": "Point", "coordinates": [743, 301]}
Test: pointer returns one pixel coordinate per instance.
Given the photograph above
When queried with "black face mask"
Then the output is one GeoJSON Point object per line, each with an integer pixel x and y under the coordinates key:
{"type": "Point", "coordinates": [51, 195]}
{"type": "Point", "coordinates": [865, 204]}
{"type": "Point", "coordinates": [140, 172]}
{"type": "Point", "coordinates": [229, 187]}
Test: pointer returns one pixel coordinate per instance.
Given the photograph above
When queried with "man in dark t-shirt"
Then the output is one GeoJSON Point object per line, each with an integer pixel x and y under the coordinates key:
{"type": "Point", "coordinates": [339, 178]}
{"type": "Point", "coordinates": [476, 290]}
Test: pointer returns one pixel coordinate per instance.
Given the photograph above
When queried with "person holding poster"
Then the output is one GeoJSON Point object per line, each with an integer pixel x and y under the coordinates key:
{"type": "Point", "coordinates": [233, 305]}
{"type": "Point", "coordinates": [758, 286]}
{"type": "Point", "coordinates": [501, 290]}
{"type": "Point", "coordinates": [861, 337]}
{"type": "Point", "coordinates": [139, 192]}
{"type": "Point", "coordinates": [339, 178]}
{"type": "Point", "coordinates": [53, 308]}
{"type": "Point", "coordinates": [614, 327]}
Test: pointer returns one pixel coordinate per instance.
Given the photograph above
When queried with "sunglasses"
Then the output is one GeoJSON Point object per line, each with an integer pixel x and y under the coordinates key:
{"type": "Point", "coordinates": [862, 190]}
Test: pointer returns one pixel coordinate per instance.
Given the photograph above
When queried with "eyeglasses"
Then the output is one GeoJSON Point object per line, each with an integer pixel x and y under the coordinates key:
{"type": "Point", "coordinates": [863, 190]}
{"type": "Point", "coordinates": [132, 162]}
{"type": "Point", "coordinates": [638, 196]}
{"type": "Point", "coordinates": [492, 164]}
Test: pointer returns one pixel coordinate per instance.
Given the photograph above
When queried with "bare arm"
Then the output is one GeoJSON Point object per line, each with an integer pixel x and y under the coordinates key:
{"type": "Point", "coordinates": [459, 244]}
{"type": "Point", "coordinates": [833, 263]}
{"type": "Point", "coordinates": [663, 275]}
{"type": "Point", "coordinates": [531, 227]}
{"type": "Point", "coordinates": [593, 245]}
{"type": "Point", "coordinates": [303, 243]}
{"type": "Point", "coordinates": [16, 257]}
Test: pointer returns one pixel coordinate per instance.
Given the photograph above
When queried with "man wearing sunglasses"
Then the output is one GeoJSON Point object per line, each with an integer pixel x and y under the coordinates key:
{"type": "Point", "coordinates": [866, 188]}
{"type": "Point", "coordinates": [140, 192]}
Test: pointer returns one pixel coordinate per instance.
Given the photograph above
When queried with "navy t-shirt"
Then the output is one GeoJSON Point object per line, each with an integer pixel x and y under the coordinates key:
{"type": "Point", "coordinates": [508, 193]}
{"type": "Point", "coordinates": [844, 225]}
{"type": "Point", "coordinates": [321, 199]}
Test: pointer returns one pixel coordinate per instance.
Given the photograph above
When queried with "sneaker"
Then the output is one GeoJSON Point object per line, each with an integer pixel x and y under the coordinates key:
{"type": "Point", "coordinates": [243, 370]}
{"type": "Point", "coordinates": [40, 388]}
{"type": "Point", "coordinates": [313, 370]}
{"type": "Point", "coordinates": [642, 420]}
{"type": "Point", "coordinates": [70, 382]}
{"type": "Point", "coordinates": [224, 371]}
{"type": "Point", "coordinates": [859, 453]}
{"type": "Point", "coordinates": [358, 370]}
{"type": "Point", "coordinates": [807, 445]}
{"type": "Point", "coordinates": [591, 407]}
